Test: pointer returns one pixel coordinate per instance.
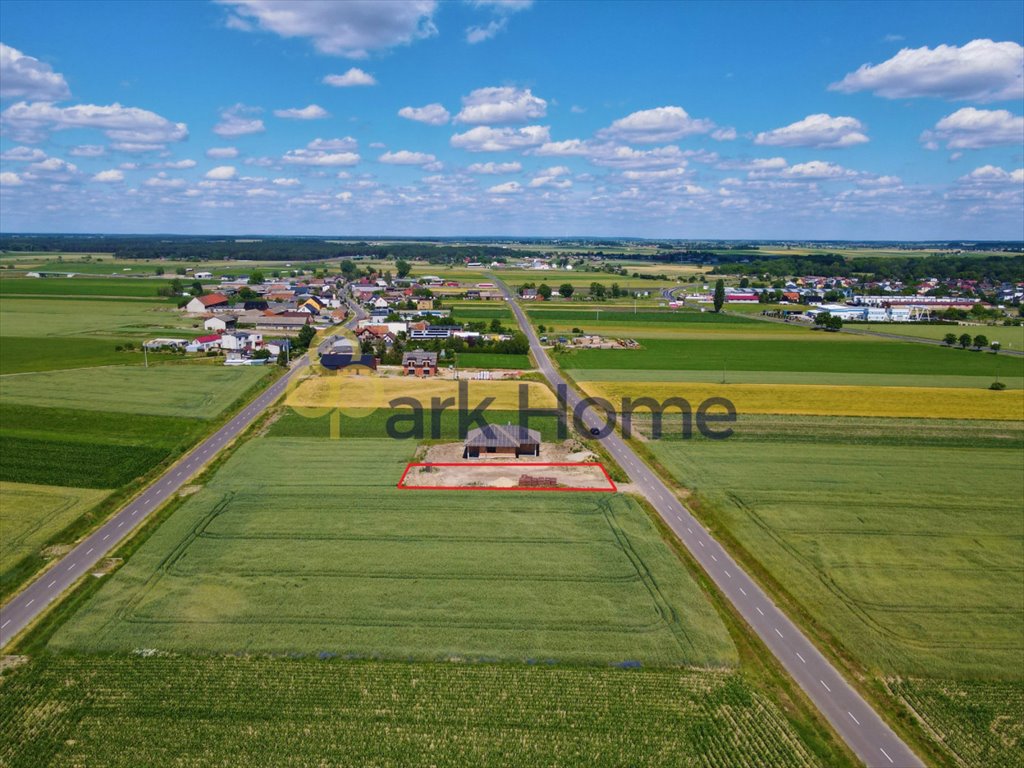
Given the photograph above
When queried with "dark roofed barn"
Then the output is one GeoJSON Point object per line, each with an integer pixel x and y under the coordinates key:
{"type": "Point", "coordinates": [501, 439]}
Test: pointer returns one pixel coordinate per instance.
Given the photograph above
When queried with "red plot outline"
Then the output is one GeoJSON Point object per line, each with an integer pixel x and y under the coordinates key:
{"type": "Point", "coordinates": [402, 486]}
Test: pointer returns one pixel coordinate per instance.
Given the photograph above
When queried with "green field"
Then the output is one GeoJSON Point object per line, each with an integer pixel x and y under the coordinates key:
{"type": "Point", "coordinates": [119, 711]}
{"type": "Point", "coordinates": [792, 377]}
{"type": "Point", "coordinates": [487, 360]}
{"type": "Point", "coordinates": [981, 723]}
{"type": "Point", "coordinates": [480, 311]}
{"type": "Point", "coordinates": [859, 357]}
{"type": "Point", "coordinates": [31, 514]}
{"type": "Point", "coordinates": [196, 391]}
{"type": "Point", "coordinates": [306, 545]}
{"type": "Point", "coordinates": [85, 317]}
{"type": "Point", "coordinates": [82, 286]}
{"type": "Point", "coordinates": [22, 354]}
{"type": "Point", "coordinates": [906, 574]}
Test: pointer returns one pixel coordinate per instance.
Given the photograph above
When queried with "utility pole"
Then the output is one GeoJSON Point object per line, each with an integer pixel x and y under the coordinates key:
{"type": "Point", "coordinates": [145, 355]}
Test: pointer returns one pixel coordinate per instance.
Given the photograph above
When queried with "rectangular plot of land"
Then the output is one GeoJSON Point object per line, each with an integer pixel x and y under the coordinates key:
{"type": "Point", "coordinates": [506, 476]}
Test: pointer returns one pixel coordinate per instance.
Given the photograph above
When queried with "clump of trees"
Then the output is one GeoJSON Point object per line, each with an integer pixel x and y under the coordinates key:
{"type": "Point", "coordinates": [828, 321]}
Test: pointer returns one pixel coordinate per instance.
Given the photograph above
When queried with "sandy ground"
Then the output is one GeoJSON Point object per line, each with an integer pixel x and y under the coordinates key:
{"type": "Point", "coordinates": [483, 473]}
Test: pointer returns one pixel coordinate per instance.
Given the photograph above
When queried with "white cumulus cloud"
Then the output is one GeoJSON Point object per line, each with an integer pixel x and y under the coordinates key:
{"type": "Point", "coordinates": [405, 157]}
{"type": "Point", "coordinates": [504, 104]}
{"type": "Point", "coordinates": [485, 139]}
{"type": "Point", "coordinates": [971, 128]}
{"type": "Point", "coordinates": [222, 152]}
{"type": "Point", "coordinates": [319, 157]}
{"type": "Point", "coordinates": [10, 179]}
{"type": "Point", "coordinates": [126, 125]}
{"type": "Point", "coordinates": [352, 28]}
{"type": "Point", "coordinates": [821, 131]}
{"type": "Point", "coordinates": [239, 120]}
{"type": "Point", "coordinates": [222, 173]}
{"type": "Point", "coordinates": [981, 70]}
{"type": "Point", "coordinates": [353, 77]}
{"type": "Point", "coordinates": [110, 176]}
{"type": "Point", "coordinates": [660, 124]}
{"type": "Point", "coordinates": [286, 182]}
{"type": "Point", "coordinates": [312, 112]}
{"type": "Point", "coordinates": [26, 77]}
{"type": "Point", "coordinates": [495, 168]}
{"type": "Point", "coordinates": [994, 174]}
{"type": "Point", "coordinates": [344, 144]}
{"type": "Point", "coordinates": [431, 114]}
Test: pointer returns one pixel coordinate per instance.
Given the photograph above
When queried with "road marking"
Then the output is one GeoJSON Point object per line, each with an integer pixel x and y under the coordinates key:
{"type": "Point", "coordinates": [714, 558]}
{"type": "Point", "coordinates": [701, 543]}
{"type": "Point", "coordinates": [801, 657]}
{"type": "Point", "coordinates": [135, 512]}
{"type": "Point", "coordinates": [886, 754]}
{"type": "Point", "coordinates": [5, 624]}
{"type": "Point", "coordinates": [90, 550]}
{"type": "Point", "coordinates": [727, 573]}
{"type": "Point", "coordinates": [759, 610]}
{"type": "Point", "coordinates": [779, 634]}
{"type": "Point", "coordinates": [30, 602]}
{"type": "Point", "coordinates": [120, 524]}
{"type": "Point", "coordinates": [743, 591]}
{"type": "Point", "coordinates": [71, 567]}
{"type": "Point", "coordinates": [852, 717]}
{"type": "Point", "coordinates": [826, 686]}
{"type": "Point", "coordinates": [106, 537]}
{"type": "Point", "coordinates": [50, 585]}
{"type": "Point", "coordinates": [690, 529]}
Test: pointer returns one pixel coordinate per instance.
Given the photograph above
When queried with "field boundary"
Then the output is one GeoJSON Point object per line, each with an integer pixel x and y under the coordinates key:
{"type": "Point", "coordinates": [612, 488]}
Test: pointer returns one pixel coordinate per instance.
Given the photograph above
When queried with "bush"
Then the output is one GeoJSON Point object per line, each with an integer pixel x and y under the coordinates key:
{"type": "Point", "coordinates": [997, 386]}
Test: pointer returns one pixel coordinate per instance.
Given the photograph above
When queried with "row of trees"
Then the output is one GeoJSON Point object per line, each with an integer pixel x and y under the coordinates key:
{"type": "Point", "coordinates": [965, 340]}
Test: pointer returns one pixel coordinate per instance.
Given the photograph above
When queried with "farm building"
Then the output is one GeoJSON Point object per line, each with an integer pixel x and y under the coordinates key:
{"type": "Point", "coordinates": [501, 440]}
{"type": "Point", "coordinates": [202, 304]}
{"type": "Point", "coordinates": [420, 363]}
{"type": "Point", "coordinates": [220, 323]}
{"type": "Point", "coordinates": [282, 322]}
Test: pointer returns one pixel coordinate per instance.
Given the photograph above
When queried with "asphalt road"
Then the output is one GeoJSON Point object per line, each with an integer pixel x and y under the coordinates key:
{"type": "Point", "coordinates": [854, 720]}
{"type": "Point", "coordinates": [25, 606]}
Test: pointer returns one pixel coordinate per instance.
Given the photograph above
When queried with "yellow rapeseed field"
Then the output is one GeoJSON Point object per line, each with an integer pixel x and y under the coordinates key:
{"type": "Point", "coordinates": [821, 400]}
{"type": "Point", "coordinates": [359, 392]}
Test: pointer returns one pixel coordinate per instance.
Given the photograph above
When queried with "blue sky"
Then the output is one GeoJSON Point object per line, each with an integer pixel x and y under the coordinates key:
{"type": "Point", "coordinates": [410, 117]}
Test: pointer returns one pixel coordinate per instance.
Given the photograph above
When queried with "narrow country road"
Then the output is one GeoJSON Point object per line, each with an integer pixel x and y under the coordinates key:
{"type": "Point", "coordinates": [851, 716]}
{"type": "Point", "coordinates": [48, 587]}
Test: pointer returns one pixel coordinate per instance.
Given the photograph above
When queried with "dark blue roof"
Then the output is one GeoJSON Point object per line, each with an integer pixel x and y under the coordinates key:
{"type": "Point", "coordinates": [333, 361]}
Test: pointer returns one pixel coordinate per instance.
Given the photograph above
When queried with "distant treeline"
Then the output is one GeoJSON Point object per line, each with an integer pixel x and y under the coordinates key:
{"type": "Point", "coordinates": [907, 269]}
{"type": "Point", "coordinates": [266, 249]}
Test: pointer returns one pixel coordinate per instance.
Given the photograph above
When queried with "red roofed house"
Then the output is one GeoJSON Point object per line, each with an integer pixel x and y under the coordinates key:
{"type": "Point", "coordinates": [204, 343]}
{"type": "Point", "coordinates": [202, 304]}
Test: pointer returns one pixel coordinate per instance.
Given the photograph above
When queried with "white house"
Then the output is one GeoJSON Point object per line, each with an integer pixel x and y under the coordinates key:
{"type": "Point", "coordinates": [203, 275]}
{"type": "Point", "coordinates": [219, 323]}
{"type": "Point", "coordinates": [242, 341]}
